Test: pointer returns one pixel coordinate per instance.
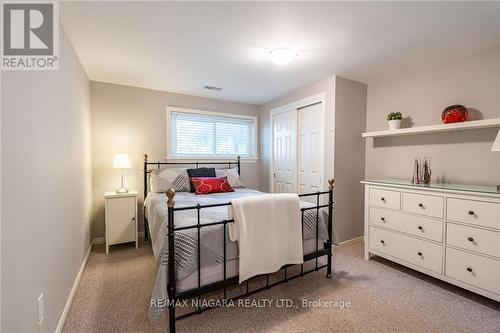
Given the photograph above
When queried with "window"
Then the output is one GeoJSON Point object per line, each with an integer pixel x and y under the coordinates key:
{"type": "Point", "coordinates": [210, 135]}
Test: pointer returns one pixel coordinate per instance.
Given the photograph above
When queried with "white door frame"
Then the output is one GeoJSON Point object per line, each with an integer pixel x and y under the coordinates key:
{"type": "Point", "coordinates": [318, 98]}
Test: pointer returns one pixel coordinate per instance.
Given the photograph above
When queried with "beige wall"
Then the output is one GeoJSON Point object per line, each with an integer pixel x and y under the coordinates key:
{"type": "Point", "coordinates": [133, 121]}
{"type": "Point", "coordinates": [464, 156]}
{"type": "Point", "coordinates": [345, 105]}
{"type": "Point", "coordinates": [46, 187]}
{"type": "Point", "coordinates": [350, 119]}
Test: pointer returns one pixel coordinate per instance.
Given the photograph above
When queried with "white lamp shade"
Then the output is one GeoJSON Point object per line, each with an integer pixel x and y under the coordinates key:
{"type": "Point", "coordinates": [496, 144]}
{"type": "Point", "coordinates": [122, 161]}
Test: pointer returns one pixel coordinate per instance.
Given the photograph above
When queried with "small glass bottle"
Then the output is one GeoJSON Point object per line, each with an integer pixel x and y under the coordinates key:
{"type": "Point", "coordinates": [426, 170]}
{"type": "Point", "coordinates": [416, 171]}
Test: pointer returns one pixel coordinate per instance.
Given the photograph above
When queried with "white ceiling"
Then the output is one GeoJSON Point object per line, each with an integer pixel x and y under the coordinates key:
{"type": "Point", "coordinates": [181, 47]}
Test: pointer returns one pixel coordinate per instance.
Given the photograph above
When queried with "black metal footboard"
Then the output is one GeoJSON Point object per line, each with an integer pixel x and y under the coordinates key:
{"type": "Point", "coordinates": [175, 296]}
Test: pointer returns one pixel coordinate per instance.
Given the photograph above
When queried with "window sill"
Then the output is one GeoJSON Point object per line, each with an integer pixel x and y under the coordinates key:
{"type": "Point", "coordinates": [210, 159]}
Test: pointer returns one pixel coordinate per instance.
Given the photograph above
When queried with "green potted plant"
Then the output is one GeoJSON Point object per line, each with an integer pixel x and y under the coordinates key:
{"type": "Point", "coordinates": [394, 120]}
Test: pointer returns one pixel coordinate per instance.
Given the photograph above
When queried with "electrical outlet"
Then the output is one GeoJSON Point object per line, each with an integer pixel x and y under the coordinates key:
{"type": "Point", "coordinates": [40, 308]}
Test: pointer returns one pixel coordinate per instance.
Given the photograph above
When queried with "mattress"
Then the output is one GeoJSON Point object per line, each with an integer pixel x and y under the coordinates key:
{"type": "Point", "coordinates": [210, 238]}
{"type": "Point", "coordinates": [215, 273]}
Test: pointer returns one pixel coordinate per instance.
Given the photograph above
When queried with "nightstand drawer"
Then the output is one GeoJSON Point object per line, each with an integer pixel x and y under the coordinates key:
{"type": "Point", "coordinates": [473, 269]}
{"type": "Point", "coordinates": [418, 252]}
{"type": "Point", "coordinates": [481, 213]}
{"type": "Point", "coordinates": [474, 239]}
{"type": "Point", "coordinates": [385, 199]}
{"type": "Point", "coordinates": [414, 225]}
{"type": "Point", "coordinates": [428, 205]}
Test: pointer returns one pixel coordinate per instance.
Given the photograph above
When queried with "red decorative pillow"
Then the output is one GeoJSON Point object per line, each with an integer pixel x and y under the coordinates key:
{"type": "Point", "coordinates": [206, 185]}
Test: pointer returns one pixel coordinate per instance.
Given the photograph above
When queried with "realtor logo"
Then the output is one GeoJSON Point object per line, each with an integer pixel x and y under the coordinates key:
{"type": "Point", "coordinates": [30, 36]}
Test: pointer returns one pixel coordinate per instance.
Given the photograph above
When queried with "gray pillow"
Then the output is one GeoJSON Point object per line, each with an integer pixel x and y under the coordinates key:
{"type": "Point", "coordinates": [233, 177]}
{"type": "Point", "coordinates": [163, 179]}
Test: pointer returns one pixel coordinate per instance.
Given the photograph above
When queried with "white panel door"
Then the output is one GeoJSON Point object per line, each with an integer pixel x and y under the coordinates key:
{"type": "Point", "coordinates": [311, 148]}
{"type": "Point", "coordinates": [285, 152]}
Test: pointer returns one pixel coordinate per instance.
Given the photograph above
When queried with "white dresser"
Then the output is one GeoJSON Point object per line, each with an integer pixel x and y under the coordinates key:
{"type": "Point", "coordinates": [449, 231]}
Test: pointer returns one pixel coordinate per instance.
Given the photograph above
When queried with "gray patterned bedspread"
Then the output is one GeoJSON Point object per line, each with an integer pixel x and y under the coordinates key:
{"type": "Point", "coordinates": [186, 241]}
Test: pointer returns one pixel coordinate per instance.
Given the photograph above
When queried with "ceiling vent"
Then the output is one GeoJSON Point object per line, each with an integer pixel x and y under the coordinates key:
{"type": "Point", "coordinates": [213, 88]}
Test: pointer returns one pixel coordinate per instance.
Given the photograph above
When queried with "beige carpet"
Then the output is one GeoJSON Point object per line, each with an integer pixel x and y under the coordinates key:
{"type": "Point", "coordinates": [114, 293]}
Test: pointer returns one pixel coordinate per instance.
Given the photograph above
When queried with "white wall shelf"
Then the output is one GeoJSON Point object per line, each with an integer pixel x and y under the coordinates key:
{"type": "Point", "coordinates": [474, 124]}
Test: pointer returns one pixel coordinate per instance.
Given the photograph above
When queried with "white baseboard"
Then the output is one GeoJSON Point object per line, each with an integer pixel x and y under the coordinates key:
{"type": "Point", "coordinates": [102, 240]}
{"type": "Point", "coordinates": [62, 320]}
{"type": "Point", "coordinates": [349, 241]}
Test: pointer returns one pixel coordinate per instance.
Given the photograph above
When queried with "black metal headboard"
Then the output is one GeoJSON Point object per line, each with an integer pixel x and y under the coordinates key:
{"type": "Point", "coordinates": [197, 164]}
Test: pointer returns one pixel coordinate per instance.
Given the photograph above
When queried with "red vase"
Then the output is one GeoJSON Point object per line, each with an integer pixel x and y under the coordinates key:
{"type": "Point", "coordinates": [454, 114]}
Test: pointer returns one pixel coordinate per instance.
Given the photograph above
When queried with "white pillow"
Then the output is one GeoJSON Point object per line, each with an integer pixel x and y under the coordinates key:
{"type": "Point", "coordinates": [163, 179]}
{"type": "Point", "coordinates": [232, 176]}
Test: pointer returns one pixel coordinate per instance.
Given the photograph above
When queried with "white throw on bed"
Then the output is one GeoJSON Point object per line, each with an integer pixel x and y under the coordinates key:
{"type": "Point", "coordinates": [269, 233]}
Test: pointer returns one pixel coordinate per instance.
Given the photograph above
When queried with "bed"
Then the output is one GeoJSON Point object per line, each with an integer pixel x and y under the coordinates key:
{"type": "Point", "coordinates": [190, 241]}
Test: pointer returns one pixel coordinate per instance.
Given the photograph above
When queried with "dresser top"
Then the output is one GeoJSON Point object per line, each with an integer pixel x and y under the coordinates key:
{"type": "Point", "coordinates": [485, 189]}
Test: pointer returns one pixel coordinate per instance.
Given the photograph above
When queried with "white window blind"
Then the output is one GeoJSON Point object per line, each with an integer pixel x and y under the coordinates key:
{"type": "Point", "coordinates": [207, 135]}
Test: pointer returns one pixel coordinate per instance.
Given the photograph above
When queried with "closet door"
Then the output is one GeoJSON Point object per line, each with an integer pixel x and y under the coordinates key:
{"type": "Point", "coordinates": [311, 148]}
{"type": "Point", "coordinates": [285, 152]}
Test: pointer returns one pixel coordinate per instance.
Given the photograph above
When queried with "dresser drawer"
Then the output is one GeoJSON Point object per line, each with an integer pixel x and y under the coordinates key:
{"type": "Point", "coordinates": [385, 198]}
{"type": "Point", "coordinates": [481, 213]}
{"type": "Point", "coordinates": [474, 239]}
{"type": "Point", "coordinates": [414, 225]}
{"type": "Point", "coordinates": [428, 205]}
{"type": "Point", "coordinates": [409, 249]}
{"type": "Point", "coordinates": [473, 269]}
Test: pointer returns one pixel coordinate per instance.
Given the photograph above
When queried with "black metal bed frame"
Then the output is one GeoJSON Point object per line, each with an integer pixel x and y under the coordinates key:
{"type": "Point", "coordinates": [175, 296]}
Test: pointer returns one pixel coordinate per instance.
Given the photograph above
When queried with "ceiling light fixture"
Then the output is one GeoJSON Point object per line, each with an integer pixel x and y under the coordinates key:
{"type": "Point", "coordinates": [282, 56]}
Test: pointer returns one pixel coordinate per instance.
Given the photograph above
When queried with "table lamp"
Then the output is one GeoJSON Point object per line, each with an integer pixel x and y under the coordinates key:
{"type": "Point", "coordinates": [122, 161]}
{"type": "Point", "coordinates": [496, 147]}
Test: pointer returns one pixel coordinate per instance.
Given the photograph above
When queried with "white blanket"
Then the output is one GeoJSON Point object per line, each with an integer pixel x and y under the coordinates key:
{"type": "Point", "coordinates": [269, 233]}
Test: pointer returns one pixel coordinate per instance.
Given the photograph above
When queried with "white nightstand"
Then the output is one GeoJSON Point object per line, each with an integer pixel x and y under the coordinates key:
{"type": "Point", "coordinates": [121, 218]}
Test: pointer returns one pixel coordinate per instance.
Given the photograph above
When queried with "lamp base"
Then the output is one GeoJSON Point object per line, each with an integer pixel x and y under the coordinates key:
{"type": "Point", "coordinates": [122, 190]}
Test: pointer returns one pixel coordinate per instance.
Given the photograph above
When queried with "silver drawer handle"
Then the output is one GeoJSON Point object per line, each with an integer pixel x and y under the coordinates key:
{"type": "Point", "coordinates": [470, 239]}
{"type": "Point", "coordinates": [469, 269]}
{"type": "Point", "coordinates": [420, 227]}
{"type": "Point", "coordinates": [419, 253]}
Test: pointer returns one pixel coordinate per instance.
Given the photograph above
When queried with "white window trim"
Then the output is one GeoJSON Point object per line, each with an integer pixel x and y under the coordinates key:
{"type": "Point", "coordinates": [171, 109]}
